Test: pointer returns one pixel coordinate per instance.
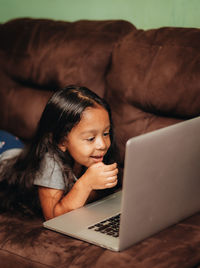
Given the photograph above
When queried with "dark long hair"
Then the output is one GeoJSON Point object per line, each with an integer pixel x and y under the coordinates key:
{"type": "Point", "coordinates": [62, 112]}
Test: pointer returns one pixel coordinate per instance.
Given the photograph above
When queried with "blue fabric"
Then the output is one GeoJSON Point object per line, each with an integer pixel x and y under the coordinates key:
{"type": "Point", "coordinates": [9, 141]}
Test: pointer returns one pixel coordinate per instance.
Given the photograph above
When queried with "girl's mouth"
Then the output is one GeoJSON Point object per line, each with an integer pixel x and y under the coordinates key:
{"type": "Point", "coordinates": [97, 158]}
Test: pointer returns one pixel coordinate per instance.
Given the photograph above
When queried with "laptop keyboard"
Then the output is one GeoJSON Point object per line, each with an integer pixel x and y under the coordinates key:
{"type": "Point", "coordinates": [109, 226]}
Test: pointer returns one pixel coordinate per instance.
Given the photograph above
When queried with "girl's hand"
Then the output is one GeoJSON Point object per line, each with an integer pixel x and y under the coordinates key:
{"type": "Point", "coordinates": [100, 176]}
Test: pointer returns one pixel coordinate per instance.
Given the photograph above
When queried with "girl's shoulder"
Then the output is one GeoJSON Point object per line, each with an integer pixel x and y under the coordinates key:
{"type": "Point", "coordinates": [50, 173]}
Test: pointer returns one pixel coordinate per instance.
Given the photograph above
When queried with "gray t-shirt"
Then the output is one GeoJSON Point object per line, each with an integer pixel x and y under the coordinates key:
{"type": "Point", "coordinates": [50, 175]}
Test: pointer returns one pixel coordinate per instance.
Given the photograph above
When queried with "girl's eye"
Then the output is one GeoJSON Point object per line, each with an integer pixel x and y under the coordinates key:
{"type": "Point", "coordinates": [90, 139]}
{"type": "Point", "coordinates": [106, 134]}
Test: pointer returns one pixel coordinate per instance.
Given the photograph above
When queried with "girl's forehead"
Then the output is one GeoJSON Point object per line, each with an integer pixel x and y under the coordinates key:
{"type": "Point", "coordinates": [92, 113]}
{"type": "Point", "coordinates": [93, 118]}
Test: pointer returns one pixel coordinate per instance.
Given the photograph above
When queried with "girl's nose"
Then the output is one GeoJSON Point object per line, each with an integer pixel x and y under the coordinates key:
{"type": "Point", "coordinates": [100, 144]}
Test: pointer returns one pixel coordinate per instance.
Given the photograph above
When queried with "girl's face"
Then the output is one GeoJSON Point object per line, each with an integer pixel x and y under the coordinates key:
{"type": "Point", "coordinates": [89, 140]}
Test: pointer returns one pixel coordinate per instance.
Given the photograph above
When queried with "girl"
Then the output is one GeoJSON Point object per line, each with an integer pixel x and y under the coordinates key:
{"type": "Point", "coordinates": [71, 157]}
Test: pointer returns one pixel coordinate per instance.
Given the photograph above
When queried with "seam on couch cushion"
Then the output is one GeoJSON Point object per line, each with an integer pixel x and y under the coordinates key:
{"type": "Point", "coordinates": [26, 259]}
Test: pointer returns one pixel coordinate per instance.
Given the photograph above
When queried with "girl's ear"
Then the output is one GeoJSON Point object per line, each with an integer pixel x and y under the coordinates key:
{"type": "Point", "coordinates": [63, 145]}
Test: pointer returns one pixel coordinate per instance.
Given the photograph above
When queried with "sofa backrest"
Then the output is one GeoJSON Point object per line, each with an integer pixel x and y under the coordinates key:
{"type": "Point", "coordinates": [154, 80]}
{"type": "Point", "coordinates": [38, 56]}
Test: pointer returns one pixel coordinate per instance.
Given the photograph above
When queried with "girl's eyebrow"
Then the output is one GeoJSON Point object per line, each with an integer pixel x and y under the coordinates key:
{"type": "Point", "coordinates": [93, 130]}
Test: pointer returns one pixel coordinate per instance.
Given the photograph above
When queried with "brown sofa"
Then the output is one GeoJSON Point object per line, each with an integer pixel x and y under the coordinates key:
{"type": "Point", "coordinates": [150, 78]}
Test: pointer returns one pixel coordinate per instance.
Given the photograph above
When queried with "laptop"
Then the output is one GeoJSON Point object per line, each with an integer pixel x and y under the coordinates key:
{"type": "Point", "coordinates": [161, 186]}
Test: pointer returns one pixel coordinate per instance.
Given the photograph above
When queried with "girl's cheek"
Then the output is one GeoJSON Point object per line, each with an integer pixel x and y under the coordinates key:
{"type": "Point", "coordinates": [87, 148]}
{"type": "Point", "coordinates": [109, 143]}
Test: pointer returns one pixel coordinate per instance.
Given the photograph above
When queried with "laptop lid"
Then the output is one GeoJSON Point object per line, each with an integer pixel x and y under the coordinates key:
{"type": "Point", "coordinates": [161, 180]}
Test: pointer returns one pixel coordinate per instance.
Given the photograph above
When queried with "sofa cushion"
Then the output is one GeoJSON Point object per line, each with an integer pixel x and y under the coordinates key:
{"type": "Point", "coordinates": [54, 54]}
{"type": "Point", "coordinates": [20, 106]}
{"type": "Point", "coordinates": [44, 55]}
{"type": "Point", "coordinates": [25, 243]}
{"type": "Point", "coordinates": [154, 79]}
{"type": "Point", "coordinates": [159, 70]}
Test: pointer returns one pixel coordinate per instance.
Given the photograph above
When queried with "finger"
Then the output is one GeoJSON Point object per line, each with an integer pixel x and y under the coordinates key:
{"type": "Point", "coordinates": [98, 165]}
{"type": "Point", "coordinates": [111, 173]}
{"type": "Point", "coordinates": [110, 167]}
{"type": "Point", "coordinates": [111, 179]}
{"type": "Point", "coordinates": [111, 184]}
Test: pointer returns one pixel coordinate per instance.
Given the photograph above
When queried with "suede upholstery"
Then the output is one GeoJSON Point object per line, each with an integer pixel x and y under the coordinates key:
{"type": "Point", "coordinates": [40, 56]}
{"type": "Point", "coordinates": [150, 78]}
{"type": "Point", "coordinates": [154, 77]}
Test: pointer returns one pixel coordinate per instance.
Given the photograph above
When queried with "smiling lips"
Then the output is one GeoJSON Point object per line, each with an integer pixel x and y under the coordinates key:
{"type": "Point", "coordinates": [98, 158]}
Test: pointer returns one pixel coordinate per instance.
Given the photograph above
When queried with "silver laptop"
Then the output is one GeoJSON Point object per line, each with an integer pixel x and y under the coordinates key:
{"type": "Point", "coordinates": [161, 186]}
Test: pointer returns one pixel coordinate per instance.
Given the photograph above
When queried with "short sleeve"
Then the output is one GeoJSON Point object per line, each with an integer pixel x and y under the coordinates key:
{"type": "Point", "coordinates": [51, 175]}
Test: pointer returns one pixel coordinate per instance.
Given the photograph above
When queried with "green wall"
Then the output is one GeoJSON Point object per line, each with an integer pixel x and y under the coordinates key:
{"type": "Point", "coordinates": [144, 14]}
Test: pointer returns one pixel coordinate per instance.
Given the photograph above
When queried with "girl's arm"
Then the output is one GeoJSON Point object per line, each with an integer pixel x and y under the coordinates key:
{"type": "Point", "coordinates": [98, 176]}
{"type": "Point", "coordinates": [55, 203]}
